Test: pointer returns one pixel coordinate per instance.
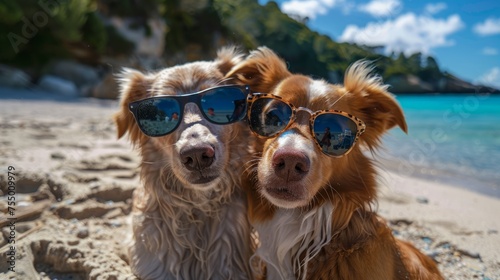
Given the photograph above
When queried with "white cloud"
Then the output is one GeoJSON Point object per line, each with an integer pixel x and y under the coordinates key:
{"type": "Point", "coordinates": [489, 51]}
{"type": "Point", "coordinates": [491, 78]}
{"type": "Point", "coordinates": [308, 8]}
{"type": "Point", "coordinates": [490, 26]}
{"type": "Point", "coordinates": [382, 8]}
{"type": "Point", "coordinates": [407, 33]}
{"type": "Point", "coordinates": [434, 8]}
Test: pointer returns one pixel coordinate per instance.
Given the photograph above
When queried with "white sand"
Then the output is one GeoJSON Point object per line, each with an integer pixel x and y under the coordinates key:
{"type": "Point", "coordinates": [467, 220]}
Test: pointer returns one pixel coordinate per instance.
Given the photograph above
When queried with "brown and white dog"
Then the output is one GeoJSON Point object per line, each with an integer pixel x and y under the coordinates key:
{"type": "Point", "coordinates": [183, 226]}
{"type": "Point", "coordinates": [313, 213]}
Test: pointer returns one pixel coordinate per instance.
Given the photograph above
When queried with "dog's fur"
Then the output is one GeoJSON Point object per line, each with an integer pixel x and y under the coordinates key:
{"type": "Point", "coordinates": [320, 224]}
{"type": "Point", "coordinates": [183, 229]}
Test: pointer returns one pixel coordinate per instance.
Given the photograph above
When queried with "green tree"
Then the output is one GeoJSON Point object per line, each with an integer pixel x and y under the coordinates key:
{"type": "Point", "coordinates": [40, 30]}
{"type": "Point", "coordinates": [431, 71]}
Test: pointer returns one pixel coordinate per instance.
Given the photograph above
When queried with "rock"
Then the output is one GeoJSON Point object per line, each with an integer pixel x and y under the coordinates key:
{"type": "Point", "coordinates": [113, 223]}
{"type": "Point", "coordinates": [58, 155]}
{"type": "Point", "coordinates": [401, 222]}
{"type": "Point", "coordinates": [427, 240]}
{"type": "Point", "coordinates": [150, 43]}
{"type": "Point", "coordinates": [408, 84]}
{"type": "Point", "coordinates": [12, 77]}
{"type": "Point", "coordinates": [73, 242]}
{"type": "Point", "coordinates": [445, 83]}
{"type": "Point", "coordinates": [107, 88]}
{"type": "Point", "coordinates": [82, 232]}
{"type": "Point", "coordinates": [80, 74]}
{"type": "Point", "coordinates": [492, 231]}
{"type": "Point", "coordinates": [453, 84]}
{"type": "Point", "coordinates": [471, 254]}
{"type": "Point", "coordinates": [422, 200]}
{"type": "Point", "coordinates": [57, 85]}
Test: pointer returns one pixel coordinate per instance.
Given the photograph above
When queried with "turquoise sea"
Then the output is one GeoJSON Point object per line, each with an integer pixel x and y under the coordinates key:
{"type": "Point", "coordinates": [455, 138]}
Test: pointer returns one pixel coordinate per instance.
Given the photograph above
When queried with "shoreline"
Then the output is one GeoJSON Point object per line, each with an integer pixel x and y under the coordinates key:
{"type": "Point", "coordinates": [443, 176]}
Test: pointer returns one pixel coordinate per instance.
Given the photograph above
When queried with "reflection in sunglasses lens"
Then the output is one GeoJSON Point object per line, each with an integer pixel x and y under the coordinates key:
{"type": "Point", "coordinates": [269, 116]}
{"type": "Point", "coordinates": [334, 133]}
{"type": "Point", "coordinates": [224, 105]}
{"type": "Point", "coordinates": [158, 117]}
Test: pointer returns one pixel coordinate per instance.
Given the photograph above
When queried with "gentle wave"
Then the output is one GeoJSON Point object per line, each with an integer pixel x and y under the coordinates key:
{"type": "Point", "coordinates": [453, 136]}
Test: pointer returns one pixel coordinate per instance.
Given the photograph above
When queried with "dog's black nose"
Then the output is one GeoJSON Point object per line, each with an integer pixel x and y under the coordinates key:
{"type": "Point", "coordinates": [197, 157]}
{"type": "Point", "coordinates": [290, 165]}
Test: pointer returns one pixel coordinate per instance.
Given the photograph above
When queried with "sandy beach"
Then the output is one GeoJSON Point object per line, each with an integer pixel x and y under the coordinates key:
{"type": "Point", "coordinates": [74, 182]}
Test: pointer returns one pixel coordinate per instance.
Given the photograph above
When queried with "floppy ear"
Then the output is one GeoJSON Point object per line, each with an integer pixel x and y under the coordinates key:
{"type": "Point", "coordinates": [262, 70]}
{"type": "Point", "coordinates": [375, 106]}
{"type": "Point", "coordinates": [134, 85]}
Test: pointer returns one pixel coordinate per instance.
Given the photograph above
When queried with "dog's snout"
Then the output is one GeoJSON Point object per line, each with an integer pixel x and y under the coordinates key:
{"type": "Point", "coordinates": [197, 157]}
{"type": "Point", "coordinates": [290, 165]}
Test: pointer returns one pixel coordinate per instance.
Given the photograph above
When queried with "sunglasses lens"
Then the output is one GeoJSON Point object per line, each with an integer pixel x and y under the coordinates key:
{"type": "Point", "coordinates": [269, 116]}
{"type": "Point", "coordinates": [224, 105]}
{"type": "Point", "coordinates": [158, 117]}
{"type": "Point", "coordinates": [335, 133]}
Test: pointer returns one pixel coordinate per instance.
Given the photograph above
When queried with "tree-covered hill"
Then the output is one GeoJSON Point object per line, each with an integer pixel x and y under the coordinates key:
{"type": "Point", "coordinates": [34, 33]}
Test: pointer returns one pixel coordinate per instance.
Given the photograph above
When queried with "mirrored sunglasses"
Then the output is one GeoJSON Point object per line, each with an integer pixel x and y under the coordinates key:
{"type": "Point", "coordinates": [161, 115]}
{"type": "Point", "coordinates": [335, 131]}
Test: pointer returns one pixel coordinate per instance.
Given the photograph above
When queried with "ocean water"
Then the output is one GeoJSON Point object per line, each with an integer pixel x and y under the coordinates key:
{"type": "Point", "coordinates": [450, 137]}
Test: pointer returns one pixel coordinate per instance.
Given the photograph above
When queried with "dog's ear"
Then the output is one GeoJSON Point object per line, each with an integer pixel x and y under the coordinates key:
{"type": "Point", "coordinates": [261, 70]}
{"type": "Point", "coordinates": [134, 85]}
{"type": "Point", "coordinates": [374, 104]}
{"type": "Point", "coordinates": [227, 58]}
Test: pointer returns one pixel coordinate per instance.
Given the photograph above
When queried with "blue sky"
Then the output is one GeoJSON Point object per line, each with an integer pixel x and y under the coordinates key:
{"type": "Point", "coordinates": [463, 36]}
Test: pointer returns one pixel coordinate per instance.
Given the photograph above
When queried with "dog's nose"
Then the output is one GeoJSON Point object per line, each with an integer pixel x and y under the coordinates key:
{"type": "Point", "coordinates": [290, 165]}
{"type": "Point", "coordinates": [197, 157]}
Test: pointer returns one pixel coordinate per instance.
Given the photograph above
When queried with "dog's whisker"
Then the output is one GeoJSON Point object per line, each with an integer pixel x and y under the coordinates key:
{"type": "Point", "coordinates": [233, 137]}
{"type": "Point", "coordinates": [331, 195]}
{"type": "Point", "coordinates": [251, 165]}
{"type": "Point", "coordinates": [222, 81]}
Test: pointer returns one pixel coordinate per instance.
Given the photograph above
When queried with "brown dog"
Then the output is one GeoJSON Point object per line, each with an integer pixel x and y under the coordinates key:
{"type": "Point", "coordinates": [189, 213]}
{"type": "Point", "coordinates": [311, 187]}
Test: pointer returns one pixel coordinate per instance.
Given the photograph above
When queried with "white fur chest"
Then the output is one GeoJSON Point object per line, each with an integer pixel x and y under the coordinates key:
{"type": "Point", "coordinates": [182, 246]}
{"type": "Point", "coordinates": [291, 233]}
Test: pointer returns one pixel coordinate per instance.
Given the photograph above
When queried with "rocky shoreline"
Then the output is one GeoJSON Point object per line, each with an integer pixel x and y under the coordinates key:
{"type": "Point", "coordinates": [448, 84]}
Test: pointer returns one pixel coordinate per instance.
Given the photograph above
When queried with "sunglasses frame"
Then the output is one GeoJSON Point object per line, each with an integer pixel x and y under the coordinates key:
{"type": "Point", "coordinates": [184, 99]}
{"type": "Point", "coordinates": [361, 126]}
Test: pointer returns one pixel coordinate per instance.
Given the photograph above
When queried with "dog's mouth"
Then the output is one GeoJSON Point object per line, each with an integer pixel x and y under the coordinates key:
{"type": "Point", "coordinates": [201, 180]}
{"type": "Point", "coordinates": [283, 193]}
